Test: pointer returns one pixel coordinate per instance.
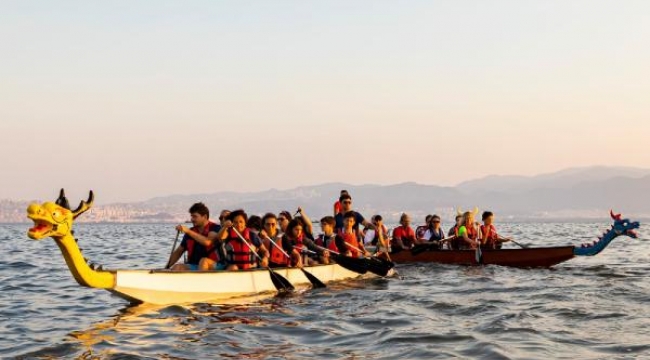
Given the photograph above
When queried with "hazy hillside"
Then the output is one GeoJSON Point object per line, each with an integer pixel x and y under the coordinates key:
{"type": "Point", "coordinates": [558, 180]}
{"type": "Point", "coordinates": [571, 193]}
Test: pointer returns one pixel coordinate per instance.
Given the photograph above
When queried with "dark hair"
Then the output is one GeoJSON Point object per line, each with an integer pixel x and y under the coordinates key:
{"type": "Point", "coordinates": [377, 217]}
{"type": "Point", "coordinates": [428, 218]}
{"type": "Point", "coordinates": [404, 216]}
{"type": "Point", "coordinates": [301, 220]}
{"type": "Point", "coordinates": [200, 208]}
{"type": "Point", "coordinates": [349, 214]}
{"type": "Point", "coordinates": [236, 213]}
{"type": "Point", "coordinates": [254, 222]}
{"type": "Point", "coordinates": [268, 216]}
{"type": "Point", "coordinates": [344, 192]}
{"type": "Point", "coordinates": [292, 224]}
{"type": "Point", "coordinates": [435, 217]}
{"type": "Point", "coordinates": [486, 214]}
{"type": "Point", "coordinates": [458, 217]}
{"type": "Point", "coordinates": [328, 220]}
{"type": "Point", "coordinates": [345, 197]}
{"type": "Point", "coordinates": [286, 214]}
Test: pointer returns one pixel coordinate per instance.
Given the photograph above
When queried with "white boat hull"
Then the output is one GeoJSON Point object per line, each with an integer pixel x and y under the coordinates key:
{"type": "Point", "coordinates": [164, 287]}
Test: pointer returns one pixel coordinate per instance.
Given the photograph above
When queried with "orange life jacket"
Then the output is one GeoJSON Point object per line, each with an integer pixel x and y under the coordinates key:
{"type": "Point", "coordinates": [191, 243]}
{"type": "Point", "coordinates": [238, 253]}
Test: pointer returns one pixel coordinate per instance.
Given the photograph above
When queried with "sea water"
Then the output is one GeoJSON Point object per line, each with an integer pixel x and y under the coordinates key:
{"type": "Point", "coordinates": [586, 308]}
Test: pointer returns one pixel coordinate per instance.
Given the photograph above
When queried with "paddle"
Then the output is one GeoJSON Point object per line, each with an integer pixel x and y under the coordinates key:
{"type": "Point", "coordinates": [420, 248]}
{"type": "Point", "coordinates": [178, 233]}
{"type": "Point", "coordinates": [478, 254]}
{"type": "Point", "coordinates": [375, 265]}
{"type": "Point", "coordinates": [280, 283]}
{"type": "Point", "coordinates": [355, 265]}
{"type": "Point", "coordinates": [518, 244]}
{"type": "Point", "coordinates": [315, 282]}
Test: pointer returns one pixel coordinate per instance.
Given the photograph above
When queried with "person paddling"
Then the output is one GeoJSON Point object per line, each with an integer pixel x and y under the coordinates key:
{"type": "Point", "coordinates": [270, 232]}
{"type": "Point", "coordinates": [239, 254]}
{"type": "Point", "coordinates": [295, 240]}
{"type": "Point", "coordinates": [434, 232]}
{"type": "Point", "coordinates": [347, 240]}
{"type": "Point", "coordinates": [420, 230]}
{"type": "Point", "coordinates": [327, 240]}
{"type": "Point", "coordinates": [403, 235]}
{"type": "Point", "coordinates": [468, 233]}
{"type": "Point", "coordinates": [455, 242]}
{"type": "Point", "coordinates": [490, 239]}
{"type": "Point", "coordinates": [198, 241]}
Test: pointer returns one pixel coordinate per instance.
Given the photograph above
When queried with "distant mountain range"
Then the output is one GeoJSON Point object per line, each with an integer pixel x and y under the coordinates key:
{"type": "Point", "coordinates": [575, 193]}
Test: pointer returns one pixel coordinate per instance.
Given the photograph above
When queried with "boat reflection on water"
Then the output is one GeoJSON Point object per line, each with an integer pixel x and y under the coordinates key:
{"type": "Point", "coordinates": [254, 327]}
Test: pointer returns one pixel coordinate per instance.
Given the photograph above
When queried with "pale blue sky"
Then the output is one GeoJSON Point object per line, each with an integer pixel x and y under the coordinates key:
{"type": "Point", "coordinates": [139, 99]}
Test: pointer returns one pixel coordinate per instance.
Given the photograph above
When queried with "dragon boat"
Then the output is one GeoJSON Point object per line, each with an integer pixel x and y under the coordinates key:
{"type": "Point", "coordinates": [541, 257]}
{"type": "Point", "coordinates": [162, 287]}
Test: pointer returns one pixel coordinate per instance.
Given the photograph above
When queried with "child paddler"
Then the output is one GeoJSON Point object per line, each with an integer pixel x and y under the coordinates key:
{"type": "Point", "coordinates": [240, 254]}
{"type": "Point", "coordinates": [347, 240]}
{"type": "Point", "coordinates": [468, 233]}
{"type": "Point", "coordinates": [199, 241]}
{"type": "Point", "coordinates": [327, 240]}
{"type": "Point", "coordinates": [299, 245]}
{"type": "Point", "coordinates": [490, 239]}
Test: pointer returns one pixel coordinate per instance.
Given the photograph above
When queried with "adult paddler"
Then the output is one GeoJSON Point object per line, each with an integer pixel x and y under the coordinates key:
{"type": "Point", "coordinates": [346, 207]}
{"type": "Point", "coordinates": [198, 241]}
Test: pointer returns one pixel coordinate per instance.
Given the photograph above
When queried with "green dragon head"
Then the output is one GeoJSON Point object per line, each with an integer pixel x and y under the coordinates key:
{"type": "Point", "coordinates": [55, 219]}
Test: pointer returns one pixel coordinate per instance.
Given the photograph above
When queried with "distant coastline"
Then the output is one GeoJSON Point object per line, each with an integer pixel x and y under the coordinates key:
{"type": "Point", "coordinates": [571, 195]}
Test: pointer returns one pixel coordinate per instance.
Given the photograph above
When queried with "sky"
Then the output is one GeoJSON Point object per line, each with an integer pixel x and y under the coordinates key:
{"type": "Point", "coordinates": [142, 99]}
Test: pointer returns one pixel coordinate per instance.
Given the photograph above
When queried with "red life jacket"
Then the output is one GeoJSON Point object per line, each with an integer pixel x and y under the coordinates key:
{"type": "Point", "coordinates": [352, 243]}
{"type": "Point", "coordinates": [238, 252]}
{"type": "Point", "coordinates": [471, 232]}
{"type": "Point", "coordinates": [191, 242]}
{"type": "Point", "coordinates": [491, 238]}
{"type": "Point", "coordinates": [276, 256]}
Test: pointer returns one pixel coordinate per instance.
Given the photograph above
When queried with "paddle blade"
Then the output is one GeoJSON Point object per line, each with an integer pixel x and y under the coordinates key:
{"type": "Point", "coordinates": [315, 282]}
{"type": "Point", "coordinates": [356, 265]}
{"type": "Point", "coordinates": [280, 282]}
{"type": "Point", "coordinates": [379, 266]}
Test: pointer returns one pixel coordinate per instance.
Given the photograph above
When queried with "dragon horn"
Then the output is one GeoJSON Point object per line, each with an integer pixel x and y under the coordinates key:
{"type": "Point", "coordinates": [614, 216]}
{"type": "Point", "coordinates": [475, 211]}
{"type": "Point", "coordinates": [62, 201]}
{"type": "Point", "coordinates": [459, 211]}
{"type": "Point", "coordinates": [84, 205]}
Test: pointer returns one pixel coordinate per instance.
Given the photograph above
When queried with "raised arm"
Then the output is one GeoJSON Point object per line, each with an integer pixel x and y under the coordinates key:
{"type": "Point", "coordinates": [198, 237]}
{"type": "Point", "coordinates": [308, 224]}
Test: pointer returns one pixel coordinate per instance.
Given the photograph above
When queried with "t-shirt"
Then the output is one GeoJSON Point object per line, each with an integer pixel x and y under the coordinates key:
{"type": "Point", "coordinates": [407, 235]}
{"type": "Point", "coordinates": [371, 236]}
{"type": "Point", "coordinates": [358, 219]}
{"type": "Point", "coordinates": [462, 231]}
{"type": "Point", "coordinates": [199, 251]}
{"type": "Point", "coordinates": [337, 206]}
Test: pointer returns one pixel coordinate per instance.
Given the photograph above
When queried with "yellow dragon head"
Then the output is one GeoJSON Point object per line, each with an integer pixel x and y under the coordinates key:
{"type": "Point", "coordinates": [55, 219]}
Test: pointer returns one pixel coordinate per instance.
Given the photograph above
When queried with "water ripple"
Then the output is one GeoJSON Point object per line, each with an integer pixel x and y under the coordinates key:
{"type": "Point", "coordinates": [588, 308]}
